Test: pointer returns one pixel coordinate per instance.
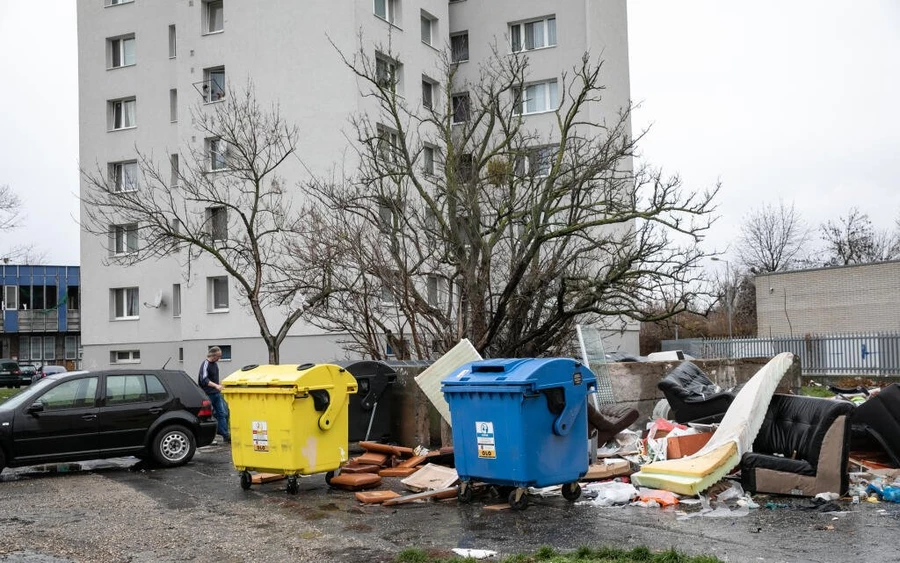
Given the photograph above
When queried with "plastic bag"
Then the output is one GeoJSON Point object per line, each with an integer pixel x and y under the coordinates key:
{"type": "Point", "coordinates": [610, 493]}
{"type": "Point", "coordinates": [664, 498]}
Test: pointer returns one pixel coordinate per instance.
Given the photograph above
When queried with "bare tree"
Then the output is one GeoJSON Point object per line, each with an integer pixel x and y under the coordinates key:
{"type": "Point", "coordinates": [852, 239]}
{"type": "Point", "coordinates": [224, 201]}
{"type": "Point", "coordinates": [462, 221]}
{"type": "Point", "coordinates": [10, 208]}
{"type": "Point", "coordinates": [773, 238]}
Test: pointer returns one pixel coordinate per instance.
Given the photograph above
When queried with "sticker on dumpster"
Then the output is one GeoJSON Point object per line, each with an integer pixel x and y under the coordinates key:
{"type": "Point", "coordinates": [484, 432]}
{"type": "Point", "coordinates": [260, 435]}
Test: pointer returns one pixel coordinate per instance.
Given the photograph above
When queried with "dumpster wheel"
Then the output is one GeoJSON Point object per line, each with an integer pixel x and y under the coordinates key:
{"type": "Point", "coordinates": [464, 492]}
{"type": "Point", "coordinates": [292, 486]}
{"type": "Point", "coordinates": [246, 480]}
{"type": "Point", "coordinates": [330, 475]}
{"type": "Point", "coordinates": [518, 499]}
{"type": "Point", "coordinates": [571, 491]}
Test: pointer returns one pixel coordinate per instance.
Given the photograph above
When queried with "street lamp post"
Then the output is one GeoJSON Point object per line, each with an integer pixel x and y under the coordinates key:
{"type": "Point", "coordinates": [729, 296]}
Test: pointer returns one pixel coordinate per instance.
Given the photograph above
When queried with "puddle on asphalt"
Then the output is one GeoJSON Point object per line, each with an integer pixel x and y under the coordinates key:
{"type": "Point", "coordinates": [50, 469]}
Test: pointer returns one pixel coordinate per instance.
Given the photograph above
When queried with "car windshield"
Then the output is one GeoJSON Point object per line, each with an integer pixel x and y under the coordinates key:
{"type": "Point", "coordinates": [21, 398]}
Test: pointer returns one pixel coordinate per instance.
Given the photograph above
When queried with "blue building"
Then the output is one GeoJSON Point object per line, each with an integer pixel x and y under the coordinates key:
{"type": "Point", "coordinates": [41, 320]}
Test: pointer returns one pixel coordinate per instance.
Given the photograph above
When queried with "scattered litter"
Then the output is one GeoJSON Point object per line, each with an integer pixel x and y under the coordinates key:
{"type": "Point", "coordinates": [828, 496]}
{"type": "Point", "coordinates": [735, 491]}
{"type": "Point", "coordinates": [551, 491]}
{"type": "Point", "coordinates": [610, 493]}
{"type": "Point", "coordinates": [474, 553]}
{"type": "Point", "coordinates": [664, 498]}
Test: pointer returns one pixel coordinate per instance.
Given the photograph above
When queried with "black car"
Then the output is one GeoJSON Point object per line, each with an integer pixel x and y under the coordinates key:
{"type": "Point", "coordinates": [158, 414]}
{"type": "Point", "coordinates": [11, 375]}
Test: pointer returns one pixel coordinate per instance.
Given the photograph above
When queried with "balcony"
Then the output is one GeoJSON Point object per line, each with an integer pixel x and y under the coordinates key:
{"type": "Point", "coordinates": [73, 320]}
{"type": "Point", "coordinates": [38, 320]}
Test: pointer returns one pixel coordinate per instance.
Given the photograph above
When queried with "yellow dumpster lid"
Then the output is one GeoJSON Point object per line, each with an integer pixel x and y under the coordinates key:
{"type": "Point", "coordinates": [301, 377]}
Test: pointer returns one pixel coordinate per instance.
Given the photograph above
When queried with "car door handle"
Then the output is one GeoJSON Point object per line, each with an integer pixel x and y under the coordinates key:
{"type": "Point", "coordinates": [156, 410]}
{"type": "Point", "coordinates": [88, 416]}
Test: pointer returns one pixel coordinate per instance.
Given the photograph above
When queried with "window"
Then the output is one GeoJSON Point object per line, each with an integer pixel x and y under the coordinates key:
{"type": "Point", "coordinates": [176, 300]}
{"type": "Point", "coordinates": [388, 145]}
{"type": "Point", "coordinates": [175, 180]}
{"type": "Point", "coordinates": [429, 23]}
{"type": "Point", "coordinates": [49, 348]}
{"type": "Point", "coordinates": [432, 290]}
{"type": "Point", "coordinates": [465, 167]}
{"type": "Point", "coordinates": [538, 97]}
{"type": "Point", "coordinates": [124, 176]}
{"type": "Point", "coordinates": [461, 109]}
{"type": "Point", "coordinates": [217, 150]}
{"type": "Point", "coordinates": [71, 350]}
{"type": "Point", "coordinates": [78, 393]}
{"type": "Point", "coordinates": [428, 160]}
{"type": "Point", "coordinates": [122, 114]}
{"type": "Point", "coordinates": [125, 357]}
{"type": "Point", "coordinates": [214, 14]}
{"type": "Point", "coordinates": [10, 297]}
{"type": "Point", "coordinates": [459, 47]}
{"type": "Point", "coordinates": [218, 293]}
{"type": "Point", "coordinates": [387, 296]}
{"type": "Point", "coordinates": [532, 35]}
{"type": "Point", "coordinates": [181, 354]}
{"type": "Point", "coordinates": [214, 84]}
{"type": "Point", "coordinates": [173, 105]}
{"type": "Point", "coordinates": [427, 93]}
{"type": "Point", "coordinates": [120, 51]}
{"type": "Point", "coordinates": [117, 2]}
{"type": "Point", "coordinates": [125, 303]}
{"type": "Point", "coordinates": [386, 9]}
{"type": "Point", "coordinates": [226, 351]}
{"type": "Point", "coordinates": [37, 344]}
{"type": "Point", "coordinates": [124, 238]}
{"type": "Point", "coordinates": [126, 389]}
{"type": "Point", "coordinates": [217, 222]}
{"type": "Point", "coordinates": [385, 218]}
{"type": "Point", "coordinates": [388, 73]}
{"type": "Point", "coordinates": [535, 162]}
{"type": "Point", "coordinates": [173, 46]}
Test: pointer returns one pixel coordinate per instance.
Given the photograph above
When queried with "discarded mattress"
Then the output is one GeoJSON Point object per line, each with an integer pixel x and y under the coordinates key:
{"type": "Point", "coordinates": [739, 427]}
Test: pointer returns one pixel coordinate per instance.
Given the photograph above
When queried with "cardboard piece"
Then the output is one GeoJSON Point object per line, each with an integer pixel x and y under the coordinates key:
{"type": "Point", "coordinates": [375, 497]}
{"type": "Point", "coordinates": [430, 379]}
{"type": "Point", "coordinates": [437, 493]}
{"type": "Point", "coordinates": [431, 477]}
{"type": "Point", "coordinates": [606, 468]}
{"type": "Point", "coordinates": [689, 444]}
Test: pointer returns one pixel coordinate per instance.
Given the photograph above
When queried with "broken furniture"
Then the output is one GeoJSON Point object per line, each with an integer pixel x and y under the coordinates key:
{"type": "Point", "coordinates": [520, 423]}
{"type": "Point", "coordinates": [288, 419]}
{"type": "Point", "coordinates": [876, 422]}
{"type": "Point", "coordinates": [692, 396]}
{"type": "Point", "coordinates": [801, 449]}
{"type": "Point", "coordinates": [370, 407]}
{"type": "Point", "coordinates": [609, 420]}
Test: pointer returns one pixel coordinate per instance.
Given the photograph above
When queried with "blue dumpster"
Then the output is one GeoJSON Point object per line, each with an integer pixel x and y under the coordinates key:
{"type": "Point", "coordinates": [520, 423]}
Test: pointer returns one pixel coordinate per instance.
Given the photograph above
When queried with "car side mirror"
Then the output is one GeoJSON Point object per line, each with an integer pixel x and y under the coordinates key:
{"type": "Point", "coordinates": [35, 408]}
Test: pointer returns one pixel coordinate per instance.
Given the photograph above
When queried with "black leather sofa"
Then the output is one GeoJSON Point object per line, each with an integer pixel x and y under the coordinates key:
{"type": "Point", "coordinates": [876, 423]}
{"type": "Point", "coordinates": [692, 396]}
{"type": "Point", "coordinates": [801, 449]}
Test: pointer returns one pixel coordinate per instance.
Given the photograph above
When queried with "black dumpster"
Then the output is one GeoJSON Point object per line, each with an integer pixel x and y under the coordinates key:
{"type": "Point", "coordinates": [370, 407]}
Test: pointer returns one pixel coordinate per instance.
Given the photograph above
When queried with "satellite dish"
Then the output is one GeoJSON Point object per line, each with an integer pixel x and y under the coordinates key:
{"type": "Point", "coordinates": [157, 301]}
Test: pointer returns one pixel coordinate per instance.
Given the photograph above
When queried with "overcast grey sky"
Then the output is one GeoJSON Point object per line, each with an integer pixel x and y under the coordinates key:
{"type": "Point", "coordinates": [776, 98]}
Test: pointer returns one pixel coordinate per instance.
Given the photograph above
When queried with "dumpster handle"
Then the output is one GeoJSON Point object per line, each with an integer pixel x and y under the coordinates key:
{"type": "Point", "coordinates": [574, 404]}
{"type": "Point", "coordinates": [338, 399]}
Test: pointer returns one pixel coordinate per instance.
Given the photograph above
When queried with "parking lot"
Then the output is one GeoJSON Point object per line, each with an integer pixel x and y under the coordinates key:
{"type": "Point", "coordinates": [120, 510]}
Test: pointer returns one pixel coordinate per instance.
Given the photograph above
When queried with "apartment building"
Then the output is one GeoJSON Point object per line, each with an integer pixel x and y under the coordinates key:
{"type": "Point", "coordinates": [41, 321]}
{"type": "Point", "coordinates": [145, 65]}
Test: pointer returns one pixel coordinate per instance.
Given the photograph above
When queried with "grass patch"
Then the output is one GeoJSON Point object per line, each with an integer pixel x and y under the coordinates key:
{"type": "Point", "coordinates": [6, 393]}
{"type": "Point", "coordinates": [813, 391]}
{"type": "Point", "coordinates": [581, 555]}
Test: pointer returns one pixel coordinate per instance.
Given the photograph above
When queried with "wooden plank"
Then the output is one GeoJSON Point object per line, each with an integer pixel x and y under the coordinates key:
{"type": "Point", "coordinates": [419, 496]}
{"type": "Point", "coordinates": [375, 497]}
{"type": "Point", "coordinates": [398, 471]}
{"type": "Point", "coordinates": [354, 468]}
{"type": "Point", "coordinates": [371, 458]}
{"type": "Point", "coordinates": [386, 449]}
{"type": "Point", "coordinates": [260, 478]}
{"type": "Point", "coordinates": [355, 481]}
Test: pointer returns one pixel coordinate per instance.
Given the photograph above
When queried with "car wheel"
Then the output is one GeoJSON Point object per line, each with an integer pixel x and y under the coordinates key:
{"type": "Point", "coordinates": [174, 445]}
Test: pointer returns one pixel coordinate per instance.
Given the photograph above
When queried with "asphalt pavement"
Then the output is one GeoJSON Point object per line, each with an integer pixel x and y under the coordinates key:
{"type": "Point", "coordinates": [123, 510]}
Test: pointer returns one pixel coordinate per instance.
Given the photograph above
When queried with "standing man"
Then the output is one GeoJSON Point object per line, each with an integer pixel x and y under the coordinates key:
{"type": "Point", "coordinates": [209, 382]}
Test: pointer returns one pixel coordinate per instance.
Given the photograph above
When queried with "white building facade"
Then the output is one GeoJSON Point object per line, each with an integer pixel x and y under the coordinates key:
{"type": "Point", "coordinates": [144, 65]}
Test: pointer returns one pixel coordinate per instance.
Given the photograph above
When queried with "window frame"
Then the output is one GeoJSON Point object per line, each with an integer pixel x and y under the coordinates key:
{"type": "Point", "coordinates": [117, 45]}
{"type": "Point", "coordinates": [173, 41]}
{"type": "Point", "coordinates": [208, 20]}
{"type": "Point", "coordinates": [128, 357]}
{"type": "Point", "coordinates": [456, 52]}
{"type": "Point", "coordinates": [118, 172]}
{"type": "Point", "coordinates": [127, 297]}
{"type": "Point", "coordinates": [214, 95]}
{"type": "Point", "coordinates": [217, 231]}
{"type": "Point", "coordinates": [518, 34]}
{"type": "Point", "coordinates": [217, 154]}
{"type": "Point", "coordinates": [456, 107]}
{"type": "Point", "coordinates": [428, 160]}
{"type": "Point", "coordinates": [118, 111]}
{"type": "Point", "coordinates": [427, 22]}
{"type": "Point", "coordinates": [215, 284]}
{"type": "Point", "coordinates": [390, 10]}
{"type": "Point", "coordinates": [73, 348]}
{"type": "Point", "coordinates": [535, 162]}
{"type": "Point", "coordinates": [428, 96]}
{"type": "Point", "coordinates": [124, 239]}
{"type": "Point", "coordinates": [176, 300]}
{"type": "Point", "coordinates": [550, 90]}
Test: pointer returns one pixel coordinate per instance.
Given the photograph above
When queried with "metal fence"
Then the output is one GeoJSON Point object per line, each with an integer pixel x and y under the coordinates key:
{"type": "Point", "coordinates": [870, 354]}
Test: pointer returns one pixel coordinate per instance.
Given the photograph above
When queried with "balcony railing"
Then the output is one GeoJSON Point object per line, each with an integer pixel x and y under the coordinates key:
{"type": "Point", "coordinates": [38, 320]}
{"type": "Point", "coordinates": [73, 320]}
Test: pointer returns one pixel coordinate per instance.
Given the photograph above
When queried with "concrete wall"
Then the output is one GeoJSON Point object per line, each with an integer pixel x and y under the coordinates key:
{"type": "Point", "coordinates": [863, 298]}
{"type": "Point", "coordinates": [416, 422]}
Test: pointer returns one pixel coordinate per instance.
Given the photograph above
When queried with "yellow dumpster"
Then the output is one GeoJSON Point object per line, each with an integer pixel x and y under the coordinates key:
{"type": "Point", "coordinates": [289, 419]}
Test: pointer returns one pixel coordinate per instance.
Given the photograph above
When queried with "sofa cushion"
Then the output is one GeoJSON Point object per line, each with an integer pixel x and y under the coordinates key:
{"type": "Point", "coordinates": [753, 460]}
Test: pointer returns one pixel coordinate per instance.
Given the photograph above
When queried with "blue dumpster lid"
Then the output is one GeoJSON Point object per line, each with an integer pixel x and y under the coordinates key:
{"type": "Point", "coordinates": [537, 373]}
